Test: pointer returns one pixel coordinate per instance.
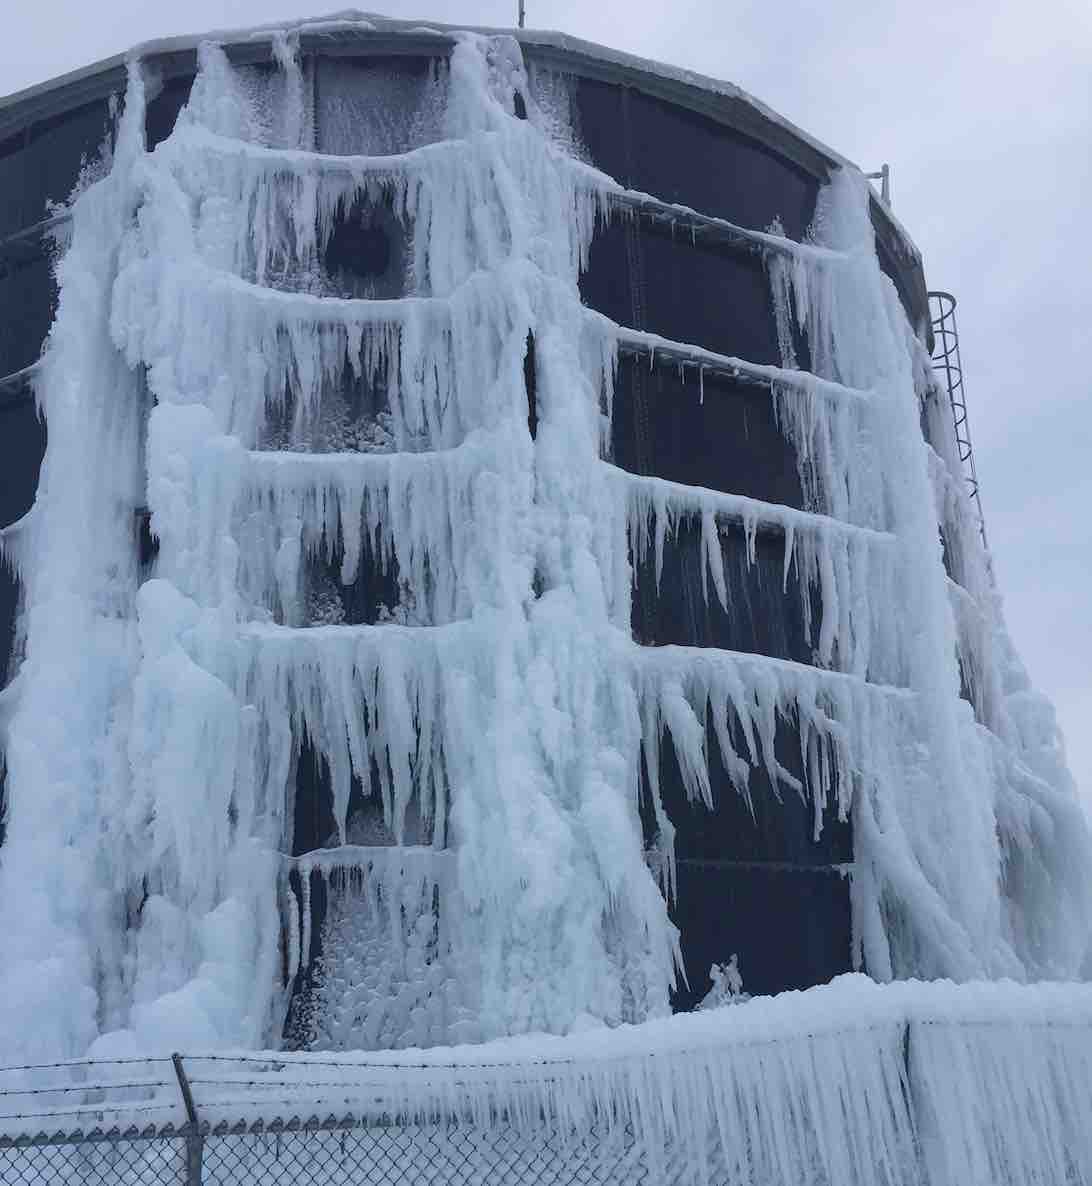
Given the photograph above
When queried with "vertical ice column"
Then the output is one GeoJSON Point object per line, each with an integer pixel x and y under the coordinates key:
{"type": "Point", "coordinates": [934, 891]}
{"type": "Point", "coordinates": [567, 919]}
{"type": "Point", "coordinates": [64, 867]}
{"type": "Point", "coordinates": [925, 827]}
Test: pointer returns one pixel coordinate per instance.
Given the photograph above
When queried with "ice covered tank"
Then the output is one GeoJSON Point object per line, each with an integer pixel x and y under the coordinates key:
{"type": "Point", "coordinates": [502, 556]}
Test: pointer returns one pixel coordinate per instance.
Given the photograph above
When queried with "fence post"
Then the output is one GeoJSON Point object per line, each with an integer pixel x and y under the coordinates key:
{"type": "Point", "coordinates": [195, 1142]}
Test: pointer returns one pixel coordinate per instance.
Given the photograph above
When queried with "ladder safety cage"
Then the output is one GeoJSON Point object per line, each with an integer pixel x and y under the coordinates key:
{"type": "Point", "coordinates": [948, 364]}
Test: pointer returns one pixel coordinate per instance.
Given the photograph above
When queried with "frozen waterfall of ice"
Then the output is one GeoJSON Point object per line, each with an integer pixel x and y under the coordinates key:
{"type": "Point", "coordinates": [155, 726]}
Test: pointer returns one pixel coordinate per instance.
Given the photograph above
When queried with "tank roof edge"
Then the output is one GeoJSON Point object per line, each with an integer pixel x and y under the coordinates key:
{"type": "Point", "coordinates": [352, 31]}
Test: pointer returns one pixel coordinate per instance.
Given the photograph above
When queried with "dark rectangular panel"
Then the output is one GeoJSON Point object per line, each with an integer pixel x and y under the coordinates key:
{"type": "Point", "coordinates": [681, 156]}
{"type": "Point", "coordinates": [905, 272]}
{"type": "Point", "coordinates": [314, 825]}
{"type": "Point", "coordinates": [720, 433]}
{"type": "Point", "coordinates": [368, 253]}
{"type": "Point", "coordinates": [776, 825]}
{"type": "Point", "coordinates": [377, 105]}
{"type": "Point", "coordinates": [162, 111]}
{"type": "Point", "coordinates": [613, 282]}
{"type": "Point", "coordinates": [371, 960]}
{"type": "Point", "coordinates": [764, 612]}
{"type": "Point", "coordinates": [597, 117]}
{"type": "Point", "coordinates": [788, 929]}
{"type": "Point", "coordinates": [27, 298]}
{"type": "Point", "coordinates": [43, 163]}
{"type": "Point", "coordinates": [717, 297]}
{"type": "Point", "coordinates": [22, 444]}
{"type": "Point", "coordinates": [677, 154]}
{"type": "Point", "coordinates": [9, 604]}
{"type": "Point", "coordinates": [685, 157]}
{"type": "Point", "coordinates": [375, 594]}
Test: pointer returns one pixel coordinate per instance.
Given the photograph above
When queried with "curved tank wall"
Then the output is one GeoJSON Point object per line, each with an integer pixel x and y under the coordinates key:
{"type": "Point", "coordinates": [753, 880]}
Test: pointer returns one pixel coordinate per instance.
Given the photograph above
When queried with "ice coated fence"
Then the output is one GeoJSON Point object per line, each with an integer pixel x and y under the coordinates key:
{"type": "Point", "coordinates": [897, 1085]}
{"type": "Point", "coordinates": [329, 1154]}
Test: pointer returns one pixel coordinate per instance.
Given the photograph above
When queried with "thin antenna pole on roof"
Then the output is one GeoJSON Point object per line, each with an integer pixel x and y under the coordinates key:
{"type": "Point", "coordinates": [522, 13]}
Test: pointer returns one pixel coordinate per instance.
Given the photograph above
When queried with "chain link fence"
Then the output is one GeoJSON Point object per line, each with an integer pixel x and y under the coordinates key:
{"type": "Point", "coordinates": [853, 1085]}
{"type": "Point", "coordinates": [311, 1154]}
{"type": "Point", "coordinates": [136, 1123]}
{"type": "Point", "coordinates": [113, 1159]}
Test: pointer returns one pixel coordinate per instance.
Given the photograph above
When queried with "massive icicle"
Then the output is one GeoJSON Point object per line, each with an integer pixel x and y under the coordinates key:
{"type": "Point", "coordinates": [60, 917]}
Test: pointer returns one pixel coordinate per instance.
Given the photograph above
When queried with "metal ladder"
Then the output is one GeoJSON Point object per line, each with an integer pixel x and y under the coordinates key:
{"type": "Point", "coordinates": [948, 364]}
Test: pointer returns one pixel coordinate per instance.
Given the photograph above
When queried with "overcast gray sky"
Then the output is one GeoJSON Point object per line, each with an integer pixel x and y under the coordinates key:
{"type": "Point", "coordinates": [984, 111]}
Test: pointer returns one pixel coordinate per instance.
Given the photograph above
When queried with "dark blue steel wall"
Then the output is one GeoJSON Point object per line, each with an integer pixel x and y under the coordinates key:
{"type": "Point", "coordinates": [754, 884]}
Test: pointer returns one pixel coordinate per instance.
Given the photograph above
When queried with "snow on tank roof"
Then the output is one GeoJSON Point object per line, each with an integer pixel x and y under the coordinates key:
{"type": "Point", "coordinates": [354, 21]}
{"type": "Point", "coordinates": [720, 97]}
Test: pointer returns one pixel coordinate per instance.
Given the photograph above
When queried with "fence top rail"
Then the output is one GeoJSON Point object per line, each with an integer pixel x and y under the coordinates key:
{"type": "Point", "coordinates": [522, 1076]}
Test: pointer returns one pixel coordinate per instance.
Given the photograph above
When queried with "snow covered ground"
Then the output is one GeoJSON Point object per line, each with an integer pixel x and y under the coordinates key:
{"type": "Point", "coordinates": [852, 1082]}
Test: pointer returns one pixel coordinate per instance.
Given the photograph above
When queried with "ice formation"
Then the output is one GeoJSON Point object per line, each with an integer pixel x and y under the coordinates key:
{"type": "Point", "coordinates": [492, 717]}
{"type": "Point", "coordinates": [852, 1082]}
{"type": "Point", "coordinates": [903, 1084]}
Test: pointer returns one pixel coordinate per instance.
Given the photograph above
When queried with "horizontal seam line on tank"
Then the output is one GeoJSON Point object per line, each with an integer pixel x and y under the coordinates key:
{"type": "Point", "coordinates": [36, 230]}
{"type": "Point", "coordinates": [635, 200]}
{"type": "Point", "coordinates": [276, 459]}
{"type": "Point", "coordinates": [322, 162]}
{"type": "Point", "coordinates": [714, 229]}
{"type": "Point", "coordinates": [742, 507]}
{"type": "Point", "coordinates": [437, 868]}
{"type": "Point", "coordinates": [16, 386]}
{"type": "Point", "coordinates": [392, 310]}
{"type": "Point", "coordinates": [641, 342]}
{"type": "Point", "coordinates": [841, 868]}
{"type": "Point", "coordinates": [419, 854]}
{"type": "Point", "coordinates": [274, 632]}
{"type": "Point", "coordinates": [652, 655]}
{"type": "Point", "coordinates": [393, 164]}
